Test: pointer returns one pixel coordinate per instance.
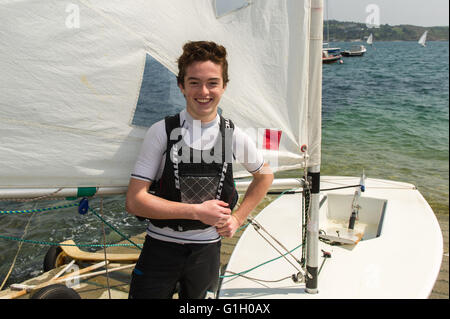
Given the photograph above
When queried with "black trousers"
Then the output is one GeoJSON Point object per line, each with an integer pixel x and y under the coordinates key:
{"type": "Point", "coordinates": [162, 265]}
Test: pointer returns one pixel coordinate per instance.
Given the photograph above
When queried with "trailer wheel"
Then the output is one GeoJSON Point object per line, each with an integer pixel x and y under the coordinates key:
{"type": "Point", "coordinates": [56, 291]}
{"type": "Point", "coordinates": [54, 258]}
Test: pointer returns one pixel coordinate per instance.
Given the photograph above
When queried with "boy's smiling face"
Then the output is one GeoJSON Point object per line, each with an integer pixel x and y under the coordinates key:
{"type": "Point", "coordinates": [203, 88]}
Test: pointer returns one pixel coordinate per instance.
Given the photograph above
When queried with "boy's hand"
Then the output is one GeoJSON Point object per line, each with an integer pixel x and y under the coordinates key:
{"type": "Point", "coordinates": [213, 212]}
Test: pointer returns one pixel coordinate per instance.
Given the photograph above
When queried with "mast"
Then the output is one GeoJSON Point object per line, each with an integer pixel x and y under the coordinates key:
{"type": "Point", "coordinates": [314, 131]}
{"type": "Point", "coordinates": [312, 232]}
{"type": "Point", "coordinates": [328, 26]}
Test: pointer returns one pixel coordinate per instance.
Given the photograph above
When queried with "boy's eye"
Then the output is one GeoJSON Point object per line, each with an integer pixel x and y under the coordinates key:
{"type": "Point", "coordinates": [194, 83]}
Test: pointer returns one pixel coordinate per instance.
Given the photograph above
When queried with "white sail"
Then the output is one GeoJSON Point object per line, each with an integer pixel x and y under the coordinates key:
{"type": "Point", "coordinates": [73, 102]}
{"type": "Point", "coordinates": [423, 39]}
{"type": "Point", "coordinates": [370, 39]}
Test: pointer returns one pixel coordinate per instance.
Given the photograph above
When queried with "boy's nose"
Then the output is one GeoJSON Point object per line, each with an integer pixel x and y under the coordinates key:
{"type": "Point", "coordinates": [204, 89]}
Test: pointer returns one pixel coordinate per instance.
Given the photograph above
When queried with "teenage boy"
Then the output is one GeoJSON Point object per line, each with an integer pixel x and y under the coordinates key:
{"type": "Point", "coordinates": [185, 161]}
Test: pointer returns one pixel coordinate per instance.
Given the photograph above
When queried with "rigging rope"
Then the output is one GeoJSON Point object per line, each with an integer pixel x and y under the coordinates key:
{"type": "Point", "coordinates": [104, 249]}
{"type": "Point", "coordinates": [41, 210]}
{"type": "Point", "coordinates": [260, 265]}
{"type": "Point", "coordinates": [258, 279]}
{"type": "Point", "coordinates": [306, 207]}
{"type": "Point", "coordinates": [305, 210]}
{"type": "Point", "coordinates": [17, 253]}
{"type": "Point", "coordinates": [116, 230]}
{"type": "Point", "coordinates": [47, 243]}
{"type": "Point", "coordinates": [258, 227]}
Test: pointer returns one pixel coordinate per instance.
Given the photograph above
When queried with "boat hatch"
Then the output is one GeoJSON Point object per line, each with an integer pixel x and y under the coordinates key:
{"type": "Point", "coordinates": [335, 212]}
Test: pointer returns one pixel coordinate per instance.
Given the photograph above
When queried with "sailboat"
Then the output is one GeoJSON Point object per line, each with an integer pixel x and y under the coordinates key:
{"type": "Point", "coordinates": [78, 95]}
{"type": "Point", "coordinates": [423, 39]}
{"type": "Point", "coordinates": [330, 55]}
{"type": "Point", "coordinates": [370, 39]}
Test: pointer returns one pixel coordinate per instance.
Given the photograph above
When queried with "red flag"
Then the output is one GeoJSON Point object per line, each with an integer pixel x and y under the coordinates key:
{"type": "Point", "coordinates": [271, 140]}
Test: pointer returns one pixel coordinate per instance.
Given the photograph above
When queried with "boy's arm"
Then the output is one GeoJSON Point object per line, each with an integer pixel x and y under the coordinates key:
{"type": "Point", "coordinates": [253, 196]}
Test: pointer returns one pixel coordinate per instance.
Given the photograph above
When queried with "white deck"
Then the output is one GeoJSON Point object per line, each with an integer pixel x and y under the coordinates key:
{"type": "Point", "coordinates": [402, 262]}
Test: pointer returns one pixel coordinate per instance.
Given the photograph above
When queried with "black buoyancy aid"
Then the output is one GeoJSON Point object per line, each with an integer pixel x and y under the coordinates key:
{"type": "Point", "coordinates": [195, 180]}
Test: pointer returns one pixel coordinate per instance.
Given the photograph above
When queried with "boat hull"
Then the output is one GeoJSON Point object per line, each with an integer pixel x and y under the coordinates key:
{"type": "Point", "coordinates": [352, 54]}
{"type": "Point", "coordinates": [399, 255]}
{"type": "Point", "coordinates": [332, 59]}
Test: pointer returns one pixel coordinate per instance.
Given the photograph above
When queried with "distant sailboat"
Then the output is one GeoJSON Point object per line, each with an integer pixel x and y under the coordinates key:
{"type": "Point", "coordinates": [423, 39]}
{"type": "Point", "coordinates": [370, 39]}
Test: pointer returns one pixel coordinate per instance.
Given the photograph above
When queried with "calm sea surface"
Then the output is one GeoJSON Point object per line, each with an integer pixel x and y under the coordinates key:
{"type": "Point", "coordinates": [386, 113]}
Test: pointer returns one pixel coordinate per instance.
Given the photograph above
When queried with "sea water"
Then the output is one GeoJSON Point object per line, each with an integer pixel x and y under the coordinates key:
{"type": "Point", "coordinates": [386, 113]}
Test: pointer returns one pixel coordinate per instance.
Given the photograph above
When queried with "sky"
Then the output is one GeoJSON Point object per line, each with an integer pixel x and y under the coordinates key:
{"type": "Point", "coordinates": [425, 13]}
{"type": "Point", "coordinates": [224, 6]}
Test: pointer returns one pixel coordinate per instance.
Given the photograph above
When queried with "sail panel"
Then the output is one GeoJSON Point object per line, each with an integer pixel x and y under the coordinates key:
{"type": "Point", "coordinates": [423, 38]}
{"type": "Point", "coordinates": [67, 97]}
{"type": "Point", "coordinates": [224, 7]}
{"type": "Point", "coordinates": [74, 75]}
{"type": "Point", "coordinates": [159, 95]}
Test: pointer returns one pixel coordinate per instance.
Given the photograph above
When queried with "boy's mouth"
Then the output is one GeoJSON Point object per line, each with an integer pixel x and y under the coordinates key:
{"type": "Point", "coordinates": [203, 101]}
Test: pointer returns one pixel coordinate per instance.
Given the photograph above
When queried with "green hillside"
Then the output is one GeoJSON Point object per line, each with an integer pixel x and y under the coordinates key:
{"type": "Point", "coordinates": [348, 31]}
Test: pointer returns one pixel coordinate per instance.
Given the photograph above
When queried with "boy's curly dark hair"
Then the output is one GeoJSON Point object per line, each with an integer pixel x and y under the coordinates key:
{"type": "Point", "coordinates": [202, 51]}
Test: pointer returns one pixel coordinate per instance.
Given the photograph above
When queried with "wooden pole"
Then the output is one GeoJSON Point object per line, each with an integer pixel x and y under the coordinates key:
{"type": "Point", "coordinates": [54, 281]}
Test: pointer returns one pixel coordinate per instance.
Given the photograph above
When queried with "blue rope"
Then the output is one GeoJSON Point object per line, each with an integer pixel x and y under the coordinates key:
{"type": "Point", "coordinates": [38, 210]}
{"type": "Point", "coordinates": [115, 229]}
{"type": "Point", "coordinates": [39, 242]}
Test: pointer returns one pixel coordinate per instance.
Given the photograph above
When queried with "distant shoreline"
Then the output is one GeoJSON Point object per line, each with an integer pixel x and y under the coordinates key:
{"type": "Point", "coordinates": [364, 40]}
{"type": "Point", "coordinates": [343, 31]}
{"type": "Point", "coordinates": [387, 24]}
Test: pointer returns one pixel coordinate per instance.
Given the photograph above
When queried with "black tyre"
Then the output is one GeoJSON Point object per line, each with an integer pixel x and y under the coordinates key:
{"type": "Point", "coordinates": [54, 258]}
{"type": "Point", "coordinates": [56, 291]}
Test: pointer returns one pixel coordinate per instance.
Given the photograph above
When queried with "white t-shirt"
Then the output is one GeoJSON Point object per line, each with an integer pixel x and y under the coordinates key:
{"type": "Point", "coordinates": [201, 136]}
